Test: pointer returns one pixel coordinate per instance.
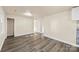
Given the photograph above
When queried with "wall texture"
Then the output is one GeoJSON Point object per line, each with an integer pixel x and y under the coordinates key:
{"type": "Point", "coordinates": [23, 26]}
{"type": "Point", "coordinates": [61, 27]}
{"type": "Point", "coordinates": [3, 34]}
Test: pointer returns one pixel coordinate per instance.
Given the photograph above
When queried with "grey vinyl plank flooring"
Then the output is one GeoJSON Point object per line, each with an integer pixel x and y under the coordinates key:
{"type": "Point", "coordinates": [35, 43]}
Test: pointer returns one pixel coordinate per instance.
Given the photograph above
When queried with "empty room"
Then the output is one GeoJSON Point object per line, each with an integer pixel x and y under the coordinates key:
{"type": "Point", "coordinates": [39, 29]}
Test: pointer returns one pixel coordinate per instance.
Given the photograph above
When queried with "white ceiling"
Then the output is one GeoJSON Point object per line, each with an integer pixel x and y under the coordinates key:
{"type": "Point", "coordinates": [35, 10]}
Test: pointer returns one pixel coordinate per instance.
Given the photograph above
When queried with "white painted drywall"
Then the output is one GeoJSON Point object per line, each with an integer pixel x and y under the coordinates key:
{"type": "Point", "coordinates": [22, 25]}
{"type": "Point", "coordinates": [10, 27]}
{"type": "Point", "coordinates": [3, 34]}
{"type": "Point", "coordinates": [61, 27]}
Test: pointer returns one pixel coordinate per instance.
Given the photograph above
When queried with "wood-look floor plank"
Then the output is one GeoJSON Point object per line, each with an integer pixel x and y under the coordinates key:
{"type": "Point", "coordinates": [56, 47]}
{"type": "Point", "coordinates": [49, 46]}
{"type": "Point", "coordinates": [35, 43]}
{"type": "Point", "coordinates": [23, 44]}
{"type": "Point", "coordinates": [41, 44]}
{"type": "Point", "coordinates": [15, 45]}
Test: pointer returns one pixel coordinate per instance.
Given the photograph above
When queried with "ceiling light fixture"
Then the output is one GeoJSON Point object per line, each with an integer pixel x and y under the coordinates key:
{"type": "Point", "coordinates": [28, 13]}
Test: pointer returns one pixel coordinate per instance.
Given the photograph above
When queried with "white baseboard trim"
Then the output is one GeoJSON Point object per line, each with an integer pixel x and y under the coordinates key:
{"type": "Point", "coordinates": [61, 40]}
{"type": "Point", "coordinates": [3, 43]}
{"type": "Point", "coordinates": [23, 34]}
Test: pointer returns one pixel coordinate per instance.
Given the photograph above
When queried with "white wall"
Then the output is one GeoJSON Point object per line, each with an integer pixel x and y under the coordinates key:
{"type": "Point", "coordinates": [3, 33]}
{"type": "Point", "coordinates": [10, 27]}
{"type": "Point", "coordinates": [61, 27]}
{"type": "Point", "coordinates": [22, 25]}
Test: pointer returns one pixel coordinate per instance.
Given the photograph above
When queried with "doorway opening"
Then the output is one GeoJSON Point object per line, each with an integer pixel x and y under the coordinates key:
{"type": "Point", "coordinates": [10, 27]}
